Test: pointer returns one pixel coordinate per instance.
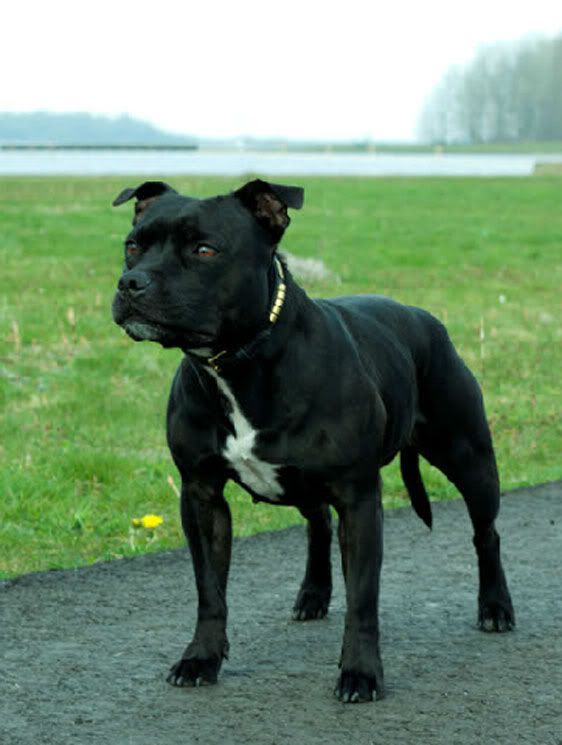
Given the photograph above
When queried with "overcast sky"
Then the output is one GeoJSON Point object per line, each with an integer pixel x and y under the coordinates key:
{"type": "Point", "coordinates": [290, 68]}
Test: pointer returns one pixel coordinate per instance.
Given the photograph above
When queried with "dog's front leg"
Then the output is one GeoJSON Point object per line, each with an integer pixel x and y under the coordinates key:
{"type": "Point", "coordinates": [360, 535]}
{"type": "Point", "coordinates": [207, 526]}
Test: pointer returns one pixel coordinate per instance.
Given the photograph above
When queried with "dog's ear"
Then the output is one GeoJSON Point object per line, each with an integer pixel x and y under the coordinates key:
{"type": "Point", "coordinates": [145, 194]}
{"type": "Point", "coordinates": [269, 203]}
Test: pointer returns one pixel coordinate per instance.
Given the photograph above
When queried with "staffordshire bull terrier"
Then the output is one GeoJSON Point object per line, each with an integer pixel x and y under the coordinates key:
{"type": "Point", "coordinates": [301, 402]}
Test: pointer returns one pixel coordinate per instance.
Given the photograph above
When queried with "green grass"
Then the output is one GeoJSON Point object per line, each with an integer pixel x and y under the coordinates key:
{"type": "Point", "coordinates": [82, 440]}
{"type": "Point", "coordinates": [548, 169]}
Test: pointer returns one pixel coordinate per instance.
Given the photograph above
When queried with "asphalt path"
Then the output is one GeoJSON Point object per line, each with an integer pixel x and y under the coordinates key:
{"type": "Point", "coordinates": [84, 653]}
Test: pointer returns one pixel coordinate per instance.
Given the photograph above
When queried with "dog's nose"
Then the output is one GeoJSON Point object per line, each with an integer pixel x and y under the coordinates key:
{"type": "Point", "coordinates": [134, 282]}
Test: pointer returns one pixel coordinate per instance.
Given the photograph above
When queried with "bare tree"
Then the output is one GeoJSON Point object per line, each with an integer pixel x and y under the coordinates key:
{"type": "Point", "coordinates": [508, 92]}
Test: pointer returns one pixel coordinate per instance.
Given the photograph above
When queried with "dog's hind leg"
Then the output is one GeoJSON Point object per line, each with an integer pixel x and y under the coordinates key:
{"type": "Point", "coordinates": [471, 467]}
{"type": "Point", "coordinates": [477, 480]}
{"type": "Point", "coordinates": [316, 589]}
{"type": "Point", "coordinates": [454, 436]}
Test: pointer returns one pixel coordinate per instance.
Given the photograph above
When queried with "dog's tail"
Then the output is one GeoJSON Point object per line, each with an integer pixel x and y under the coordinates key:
{"type": "Point", "coordinates": [410, 470]}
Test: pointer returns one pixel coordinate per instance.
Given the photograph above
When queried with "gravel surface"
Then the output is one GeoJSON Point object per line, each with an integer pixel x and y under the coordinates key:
{"type": "Point", "coordinates": [84, 653]}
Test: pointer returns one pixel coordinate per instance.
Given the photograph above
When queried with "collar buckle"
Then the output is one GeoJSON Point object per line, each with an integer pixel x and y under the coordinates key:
{"type": "Point", "coordinates": [213, 363]}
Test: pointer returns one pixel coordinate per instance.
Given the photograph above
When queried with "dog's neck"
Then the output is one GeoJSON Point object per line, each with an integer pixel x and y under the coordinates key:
{"type": "Point", "coordinates": [229, 358]}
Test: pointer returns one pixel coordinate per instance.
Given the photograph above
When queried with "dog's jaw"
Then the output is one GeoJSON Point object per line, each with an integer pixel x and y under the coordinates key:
{"type": "Point", "coordinates": [142, 331]}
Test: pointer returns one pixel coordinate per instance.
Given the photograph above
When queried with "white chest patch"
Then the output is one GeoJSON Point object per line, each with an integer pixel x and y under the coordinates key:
{"type": "Point", "coordinates": [260, 476]}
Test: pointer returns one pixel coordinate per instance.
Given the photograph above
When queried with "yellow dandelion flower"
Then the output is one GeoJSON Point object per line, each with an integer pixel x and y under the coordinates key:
{"type": "Point", "coordinates": [147, 521]}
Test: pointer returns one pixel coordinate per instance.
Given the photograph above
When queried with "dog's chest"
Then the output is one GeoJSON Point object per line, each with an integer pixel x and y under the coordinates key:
{"type": "Point", "coordinates": [261, 477]}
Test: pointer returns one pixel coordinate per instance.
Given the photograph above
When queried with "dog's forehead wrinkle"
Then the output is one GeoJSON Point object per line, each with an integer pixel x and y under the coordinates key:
{"type": "Point", "coordinates": [224, 210]}
{"type": "Point", "coordinates": [196, 218]}
{"type": "Point", "coordinates": [160, 229]}
{"type": "Point", "coordinates": [148, 233]}
{"type": "Point", "coordinates": [228, 229]}
{"type": "Point", "coordinates": [221, 219]}
{"type": "Point", "coordinates": [168, 208]}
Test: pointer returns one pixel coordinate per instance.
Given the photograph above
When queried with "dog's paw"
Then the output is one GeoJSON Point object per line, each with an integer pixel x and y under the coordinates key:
{"type": "Point", "coordinates": [200, 664]}
{"type": "Point", "coordinates": [356, 688]}
{"type": "Point", "coordinates": [312, 602]}
{"type": "Point", "coordinates": [194, 672]}
{"type": "Point", "coordinates": [496, 615]}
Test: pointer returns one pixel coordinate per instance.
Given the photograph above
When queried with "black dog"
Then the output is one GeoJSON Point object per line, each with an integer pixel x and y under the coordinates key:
{"type": "Point", "coordinates": [301, 402]}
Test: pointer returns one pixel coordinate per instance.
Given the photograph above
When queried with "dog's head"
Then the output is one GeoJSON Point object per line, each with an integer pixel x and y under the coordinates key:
{"type": "Point", "coordinates": [197, 271]}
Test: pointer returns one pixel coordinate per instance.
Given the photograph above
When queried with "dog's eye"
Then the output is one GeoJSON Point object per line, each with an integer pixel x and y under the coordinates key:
{"type": "Point", "coordinates": [205, 251]}
{"type": "Point", "coordinates": [131, 249]}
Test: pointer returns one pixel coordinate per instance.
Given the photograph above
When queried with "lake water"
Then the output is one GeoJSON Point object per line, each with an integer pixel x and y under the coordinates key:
{"type": "Point", "coordinates": [201, 162]}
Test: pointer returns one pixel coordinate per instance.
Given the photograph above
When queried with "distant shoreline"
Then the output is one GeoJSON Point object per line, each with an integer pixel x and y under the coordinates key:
{"type": "Point", "coordinates": [521, 148]}
{"type": "Point", "coordinates": [57, 146]}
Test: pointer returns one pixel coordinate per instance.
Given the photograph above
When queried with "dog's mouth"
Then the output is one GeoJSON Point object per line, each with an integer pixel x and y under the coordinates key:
{"type": "Point", "coordinates": [143, 329]}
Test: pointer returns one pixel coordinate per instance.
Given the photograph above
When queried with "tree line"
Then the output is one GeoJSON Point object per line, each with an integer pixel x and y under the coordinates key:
{"type": "Point", "coordinates": [45, 127]}
{"type": "Point", "coordinates": [510, 92]}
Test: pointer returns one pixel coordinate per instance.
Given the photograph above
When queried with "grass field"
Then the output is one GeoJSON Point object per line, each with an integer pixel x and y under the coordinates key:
{"type": "Point", "coordinates": [82, 429]}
